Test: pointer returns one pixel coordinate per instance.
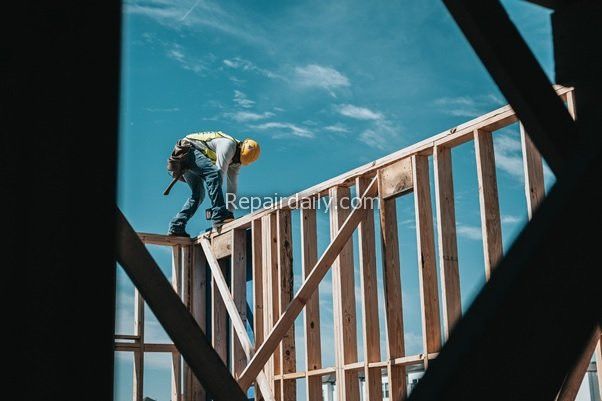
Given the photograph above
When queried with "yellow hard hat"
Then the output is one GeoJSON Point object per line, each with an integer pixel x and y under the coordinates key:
{"type": "Point", "coordinates": [249, 151]}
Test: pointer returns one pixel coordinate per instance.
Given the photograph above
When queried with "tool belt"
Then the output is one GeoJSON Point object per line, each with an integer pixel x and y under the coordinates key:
{"type": "Point", "coordinates": [177, 163]}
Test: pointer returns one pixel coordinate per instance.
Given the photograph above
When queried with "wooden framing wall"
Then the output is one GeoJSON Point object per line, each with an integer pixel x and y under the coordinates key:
{"type": "Point", "coordinates": [270, 361]}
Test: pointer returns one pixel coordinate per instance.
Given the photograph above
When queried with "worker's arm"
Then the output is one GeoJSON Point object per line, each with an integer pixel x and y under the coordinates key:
{"type": "Point", "coordinates": [225, 150]}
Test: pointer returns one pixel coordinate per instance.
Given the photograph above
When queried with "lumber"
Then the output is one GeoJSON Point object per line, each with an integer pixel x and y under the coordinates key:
{"type": "Point", "coordinates": [343, 292]}
{"type": "Point", "coordinates": [427, 270]}
{"type": "Point", "coordinates": [447, 238]}
{"type": "Point", "coordinates": [369, 288]}
{"type": "Point", "coordinates": [393, 300]}
{"type": "Point", "coordinates": [313, 347]}
{"type": "Point", "coordinates": [491, 225]}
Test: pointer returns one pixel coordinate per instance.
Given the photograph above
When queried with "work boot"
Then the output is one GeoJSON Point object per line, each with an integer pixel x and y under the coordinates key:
{"type": "Point", "coordinates": [178, 234]}
{"type": "Point", "coordinates": [218, 223]}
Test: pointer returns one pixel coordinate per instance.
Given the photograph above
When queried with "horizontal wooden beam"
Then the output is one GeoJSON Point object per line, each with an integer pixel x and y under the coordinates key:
{"type": "Point", "coordinates": [308, 288]}
{"type": "Point", "coordinates": [172, 314]}
{"type": "Point", "coordinates": [165, 240]}
{"type": "Point", "coordinates": [491, 121]}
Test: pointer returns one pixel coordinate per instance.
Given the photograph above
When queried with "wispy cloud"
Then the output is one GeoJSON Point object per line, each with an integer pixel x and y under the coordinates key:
{"type": "Point", "coordinates": [337, 128]}
{"type": "Point", "coordinates": [359, 113]}
{"type": "Point", "coordinates": [508, 156]}
{"type": "Point", "coordinates": [510, 219]}
{"type": "Point", "coordinates": [318, 76]}
{"type": "Point", "coordinates": [284, 129]}
{"type": "Point", "coordinates": [246, 116]}
{"type": "Point", "coordinates": [187, 62]}
{"type": "Point", "coordinates": [162, 109]}
{"type": "Point", "coordinates": [463, 106]}
{"type": "Point", "coordinates": [238, 63]}
{"type": "Point", "coordinates": [469, 232]}
{"type": "Point", "coordinates": [382, 135]}
{"type": "Point", "coordinates": [197, 15]}
{"type": "Point", "coordinates": [242, 100]}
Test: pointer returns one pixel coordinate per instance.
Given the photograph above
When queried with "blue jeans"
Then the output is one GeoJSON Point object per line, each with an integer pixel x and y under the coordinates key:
{"type": "Point", "coordinates": [201, 171]}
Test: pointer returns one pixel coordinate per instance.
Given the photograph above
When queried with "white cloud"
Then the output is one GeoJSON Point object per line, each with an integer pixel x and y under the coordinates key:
{"type": "Point", "coordinates": [510, 219]}
{"type": "Point", "coordinates": [238, 63]}
{"type": "Point", "coordinates": [285, 129]}
{"type": "Point", "coordinates": [375, 139]}
{"type": "Point", "coordinates": [337, 128]}
{"type": "Point", "coordinates": [508, 156]}
{"type": "Point", "coordinates": [359, 113]}
{"type": "Point", "coordinates": [197, 15]}
{"type": "Point", "coordinates": [469, 232]}
{"type": "Point", "coordinates": [245, 116]}
{"type": "Point", "coordinates": [382, 136]}
{"type": "Point", "coordinates": [318, 76]}
{"type": "Point", "coordinates": [241, 99]}
{"type": "Point", "coordinates": [463, 106]}
{"type": "Point", "coordinates": [162, 110]}
{"type": "Point", "coordinates": [187, 62]}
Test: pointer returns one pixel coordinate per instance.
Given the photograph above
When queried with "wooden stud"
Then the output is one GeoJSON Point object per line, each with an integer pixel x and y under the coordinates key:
{"type": "Point", "coordinates": [599, 365]}
{"type": "Point", "coordinates": [570, 103]}
{"type": "Point", "coordinates": [427, 270]}
{"type": "Point", "coordinates": [573, 381]}
{"type": "Point", "coordinates": [187, 299]}
{"type": "Point", "coordinates": [369, 286]}
{"type": "Point", "coordinates": [138, 376]}
{"type": "Point", "coordinates": [198, 294]}
{"type": "Point", "coordinates": [533, 170]}
{"type": "Point", "coordinates": [219, 316]}
{"type": "Point", "coordinates": [307, 289]}
{"type": "Point", "coordinates": [447, 239]}
{"type": "Point", "coordinates": [488, 197]}
{"type": "Point", "coordinates": [393, 302]}
{"type": "Point", "coordinates": [313, 347]}
{"type": "Point", "coordinates": [285, 292]}
{"type": "Point", "coordinates": [222, 244]}
{"type": "Point", "coordinates": [258, 285]}
{"type": "Point", "coordinates": [343, 291]}
{"type": "Point", "coordinates": [239, 294]}
{"type": "Point", "coordinates": [176, 359]}
{"type": "Point", "coordinates": [271, 310]}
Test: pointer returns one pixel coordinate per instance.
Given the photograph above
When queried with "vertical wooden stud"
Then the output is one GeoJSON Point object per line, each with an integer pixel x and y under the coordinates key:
{"type": "Point", "coordinates": [258, 286]}
{"type": "Point", "coordinates": [369, 286]}
{"type": "Point", "coordinates": [447, 239]}
{"type": "Point", "coordinates": [198, 293]}
{"type": "Point", "coordinates": [393, 303]}
{"type": "Point", "coordinates": [488, 198]}
{"type": "Point", "coordinates": [239, 294]}
{"type": "Point", "coordinates": [187, 299]}
{"type": "Point", "coordinates": [138, 384]}
{"type": "Point", "coordinates": [219, 317]}
{"type": "Point", "coordinates": [176, 359]}
{"type": "Point", "coordinates": [313, 350]}
{"type": "Point", "coordinates": [270, 287]}
{"type": "Point", "coordinates": [285, 291]}
{"type": "Point", "coordinates": [533, 170]}
{"type": "Point", "coordinates": [427, 270]}
{"type": "Point", "coordinates": [343, 290]}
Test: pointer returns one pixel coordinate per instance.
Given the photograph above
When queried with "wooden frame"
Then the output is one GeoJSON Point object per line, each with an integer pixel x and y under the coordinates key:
{"type": "Point", "coordinates": [270, 361]}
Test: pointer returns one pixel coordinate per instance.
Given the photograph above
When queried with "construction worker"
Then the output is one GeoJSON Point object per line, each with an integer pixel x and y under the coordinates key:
{"type": "Point", "coordinates": [213, 156]}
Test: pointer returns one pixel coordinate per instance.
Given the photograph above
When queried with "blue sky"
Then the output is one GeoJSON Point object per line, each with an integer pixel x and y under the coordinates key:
{"type": "Point", "coordinates": [324, 87]}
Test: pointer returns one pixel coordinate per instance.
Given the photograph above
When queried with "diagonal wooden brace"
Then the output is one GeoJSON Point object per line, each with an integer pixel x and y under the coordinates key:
{"type": "Point", "coordinates": [307, 290]}
{"type": "Point", "coordinates": [237, 323]}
